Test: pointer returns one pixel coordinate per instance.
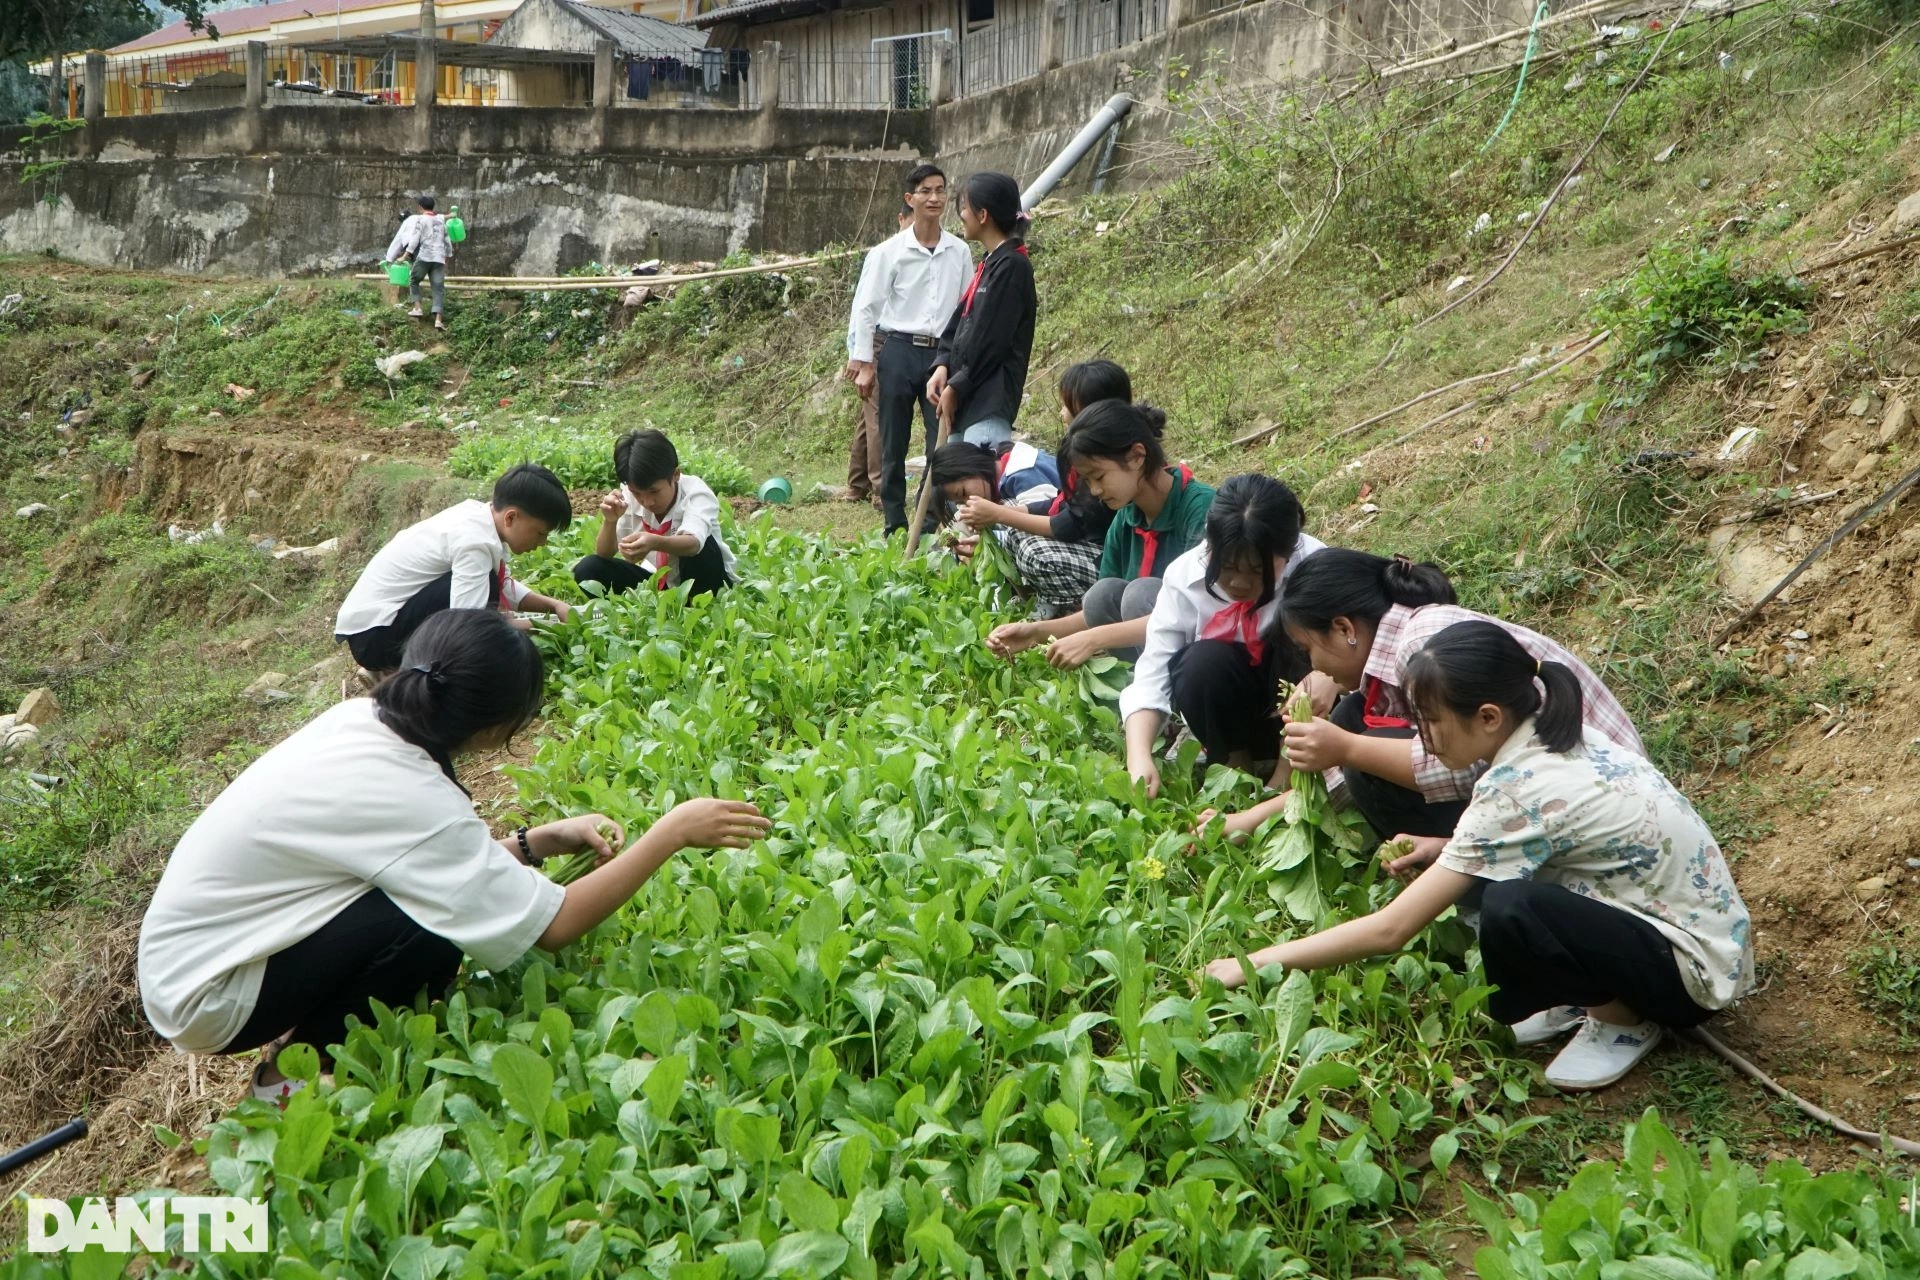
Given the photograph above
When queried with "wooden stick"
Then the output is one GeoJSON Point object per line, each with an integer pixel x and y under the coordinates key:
{"type": "Point", "coordinates": [1767, 1082]}
{"type": "Point", "coordinates": [926, 490]}
{"type": "Point", "coordinates": [1845, 258]}
{"type": "Point", "coordinates": [1561, 186]}
{"type": "Point", "coordinates": [1827, 544]}
{"type": "Point", "coordinates": [614, 282]}
{"type": "Point", "coordinates": [1422, 398]}
{"type": "Point", "coordinates": [1777, 508]}
{"type": "Point", "coordinates": [1568, 51]}
{"type": "Point", "coordinates": [1481, 401]}
{"type": "Point", "coordinates": [1574, 14]}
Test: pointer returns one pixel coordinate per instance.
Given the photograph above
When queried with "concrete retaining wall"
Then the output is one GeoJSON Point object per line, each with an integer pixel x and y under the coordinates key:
{"type": "Point", "coordinates": [288, 190]}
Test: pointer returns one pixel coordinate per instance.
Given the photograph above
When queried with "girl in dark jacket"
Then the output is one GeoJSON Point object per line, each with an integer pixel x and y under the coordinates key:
{"type": "Point", "coordinates": [981, 370]}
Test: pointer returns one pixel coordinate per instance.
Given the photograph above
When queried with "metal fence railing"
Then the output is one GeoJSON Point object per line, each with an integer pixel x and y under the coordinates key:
{"type": "Point", "coordinates": [1095, 26]}
{"type": "Point", "coordinates": [694, 78]}
{"type": "Point", "coordinates": [999, 54]}
{"type": "Point", "coordinates": [155, 83]}
{"type": "Point", "coordinates": [897, 74]}
{"type": "Point", "coordinates": [531, 85]}
{"type": "Point", "coordinates": [386, 80]}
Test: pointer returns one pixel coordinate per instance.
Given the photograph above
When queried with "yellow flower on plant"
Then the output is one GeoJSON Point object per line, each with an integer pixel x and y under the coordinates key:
{"type": "Point", "coordinates": [1153, 869]}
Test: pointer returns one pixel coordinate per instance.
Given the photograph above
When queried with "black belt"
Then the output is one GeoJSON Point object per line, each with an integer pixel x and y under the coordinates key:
{"type": "Point", "coordinates": [917, 339]}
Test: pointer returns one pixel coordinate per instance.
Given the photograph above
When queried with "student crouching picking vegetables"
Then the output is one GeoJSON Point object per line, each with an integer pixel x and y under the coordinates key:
{"type": "Point", "coordinates": [1607, 910]}
{"type": "Point", "coordinates": [1012, 473]}
{"type": "Point", "coordinates": [1214, 650]}
{"type": "Point", "coordinates": [454, 560]}
{"type": "Point", "coordinates": [347, 864]}
{"type": "Point", "coordinates": [1056, 546]}
{"type": "Point", "coordinates": [1160, 515]}
{"type": "Point", "coordinates": [661, 527]}
{"type": "Point", "coordinates": [1360, 617]}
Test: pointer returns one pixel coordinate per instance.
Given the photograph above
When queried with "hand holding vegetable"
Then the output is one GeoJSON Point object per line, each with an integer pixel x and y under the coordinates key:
{"type": "Point", "coordinates": [1237, 827]}
{"type": "Point", "coordinates": [715, 824]}
{"type": "Point", "coordinates": [1405, 857]}
{"type": "Point", "coordinates": [636, 545]}
{"type": "Point", "coordinates": [1010, 638]}
{"type": "Point", "coordinates": [1145, 771]}
{"type": "Point", "coordinates": [1314, 745]}
{"type": "Point", "coordinates": [1227, 972]}
{"type": "Point", "coordinates": [593, 841]}
{"type": "Point", "coordinates": [1321, 692]}
{"type": "Point", "coordinates": [979, 513]}
{"type": "Point", "coordinates": [1067, 652]}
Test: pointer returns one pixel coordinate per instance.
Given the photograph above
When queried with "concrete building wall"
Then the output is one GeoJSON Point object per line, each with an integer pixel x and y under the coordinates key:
{"type": "Point", "coordinates": [283, 191]}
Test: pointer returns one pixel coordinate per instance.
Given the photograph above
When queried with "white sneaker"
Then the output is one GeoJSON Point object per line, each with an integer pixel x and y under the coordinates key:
{"type": "Point", "coordinates": [1548, 1024]}
{"type": "Point", "coordinates": [1600, 1054]}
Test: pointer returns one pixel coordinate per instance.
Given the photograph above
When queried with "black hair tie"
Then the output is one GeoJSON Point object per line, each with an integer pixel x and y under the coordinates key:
{"type": "Point", "coordinates": [431, 670]}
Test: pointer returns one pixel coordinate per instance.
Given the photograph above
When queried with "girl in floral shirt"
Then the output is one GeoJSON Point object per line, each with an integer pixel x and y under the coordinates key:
{"type": "Point", "coordinates": [1608, 909]}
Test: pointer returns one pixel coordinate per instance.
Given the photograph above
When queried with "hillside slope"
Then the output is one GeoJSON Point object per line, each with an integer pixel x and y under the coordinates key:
{"type": "Point", "coordinates": [1278, 288]}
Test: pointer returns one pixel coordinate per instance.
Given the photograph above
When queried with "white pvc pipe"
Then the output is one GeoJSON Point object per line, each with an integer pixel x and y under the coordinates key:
{"type": "Point", "coordinates": [1108, 116]}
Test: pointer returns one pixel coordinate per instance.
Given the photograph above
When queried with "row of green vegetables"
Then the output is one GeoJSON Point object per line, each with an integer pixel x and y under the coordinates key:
{"type": "Point", "coordinates": [942, 1021]}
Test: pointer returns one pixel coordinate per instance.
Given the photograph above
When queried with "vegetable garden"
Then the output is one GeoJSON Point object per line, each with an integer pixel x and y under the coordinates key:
{"type": "Point", "coordinates": [943, 1022]}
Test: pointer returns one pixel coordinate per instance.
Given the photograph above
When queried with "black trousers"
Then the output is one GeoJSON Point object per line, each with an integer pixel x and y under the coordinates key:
{"type": "Point", "coordinates": [901, 372]}
{"type": "Point", "coordinates": [379, 648]}
{"type": "Point", "coordinates": [1544, 945]}
{"type": "Point", "coordinates": [1389, 808]}
{"type": "Point", "coordinates": [1228, 701]}
{"type": "Point", "coordinates": [372, 950]}
{"type": "Point", "coordinates": [706, 571]}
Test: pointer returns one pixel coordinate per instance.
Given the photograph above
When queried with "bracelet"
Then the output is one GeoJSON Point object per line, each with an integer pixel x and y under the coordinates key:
{"type": "Point", "coordinates": [526, 850]}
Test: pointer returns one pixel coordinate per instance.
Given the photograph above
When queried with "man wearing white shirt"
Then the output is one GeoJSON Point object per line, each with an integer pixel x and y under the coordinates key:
{"type": "Point", "coordinates": [908, 290]}
{"type": "Point", "coordinates": [864, 480]}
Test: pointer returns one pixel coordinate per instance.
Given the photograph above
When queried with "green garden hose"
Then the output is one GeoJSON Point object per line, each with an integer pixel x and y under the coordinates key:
{"type": "Point", "coordinates": [1526, 59]}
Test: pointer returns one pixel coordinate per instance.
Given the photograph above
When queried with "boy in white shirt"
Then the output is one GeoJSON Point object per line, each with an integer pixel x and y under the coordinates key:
{"type": "Point", "coordinates": [659, 527]}
{"type": "Point", "coordinates": [454, 560]}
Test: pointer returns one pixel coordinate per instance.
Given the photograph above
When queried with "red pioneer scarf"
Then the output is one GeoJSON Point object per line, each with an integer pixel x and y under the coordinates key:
{"type": "Point", "coordinates": [1238, 623]}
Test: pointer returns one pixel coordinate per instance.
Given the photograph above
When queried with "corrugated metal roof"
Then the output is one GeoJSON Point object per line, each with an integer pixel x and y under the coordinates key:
{"type": "Point", "coordinates": [757, 11]}
{"type": "Point", "coordinates": [234, 22]}
{"type": "Point", "coordinates": [635, 32]}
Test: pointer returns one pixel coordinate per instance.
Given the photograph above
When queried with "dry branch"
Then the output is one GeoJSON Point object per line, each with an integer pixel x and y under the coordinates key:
{"type": "Point", "coordinates": [1561, 186]}
{"type": "Point", "coordinates": [1827, 544]}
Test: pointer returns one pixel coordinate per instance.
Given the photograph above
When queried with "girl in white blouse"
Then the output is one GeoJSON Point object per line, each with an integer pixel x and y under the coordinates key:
{"type": "Point", "coordinates": [1213, 651]}
{"type": "Point", "coordinates": [1608, 909]}
{"type": "Point", "coordinates": [347, 864]}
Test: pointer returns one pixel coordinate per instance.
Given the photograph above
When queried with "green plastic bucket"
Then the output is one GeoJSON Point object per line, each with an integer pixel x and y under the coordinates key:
{"type": "Point", "coordinates": [399, 273]}
{"type": "Point", "coordinates": [456, 229]}
{"type": "Point", "coordinates": [776, 489]}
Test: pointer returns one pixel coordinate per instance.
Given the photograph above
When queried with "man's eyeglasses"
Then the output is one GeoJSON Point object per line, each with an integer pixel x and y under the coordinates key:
{"type": "Point", "coordinates": [931, 191]}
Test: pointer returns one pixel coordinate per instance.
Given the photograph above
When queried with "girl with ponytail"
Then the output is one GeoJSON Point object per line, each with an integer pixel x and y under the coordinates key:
{"type": "Point", "coordinates": [1360, 617]}
{"type": "Point", "coordinates": [347, 865]}
{"type": "Point", "coordinates": [1605, 905]}
{"type": "Point", "coordinates": [1160, 513]}
{"type": "Point", "coordinates": [980, 372]}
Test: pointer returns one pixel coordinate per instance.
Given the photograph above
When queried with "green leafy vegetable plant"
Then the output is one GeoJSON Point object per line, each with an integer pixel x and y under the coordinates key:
{"type": "Point", "coordinates": [584, 459]}
{"type": "Point", "coordinates": [1311, 845]}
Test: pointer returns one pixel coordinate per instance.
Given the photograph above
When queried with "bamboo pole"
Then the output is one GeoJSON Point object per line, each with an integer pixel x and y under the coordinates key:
{"type": "Point", "coordinates": [1575, 14]}
{"type": "Point", "coordinates": [614, 282]}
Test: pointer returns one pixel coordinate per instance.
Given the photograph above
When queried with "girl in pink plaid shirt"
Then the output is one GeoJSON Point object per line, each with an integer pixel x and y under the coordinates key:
{"type": "Point", "coordinates": [1360, 617]}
